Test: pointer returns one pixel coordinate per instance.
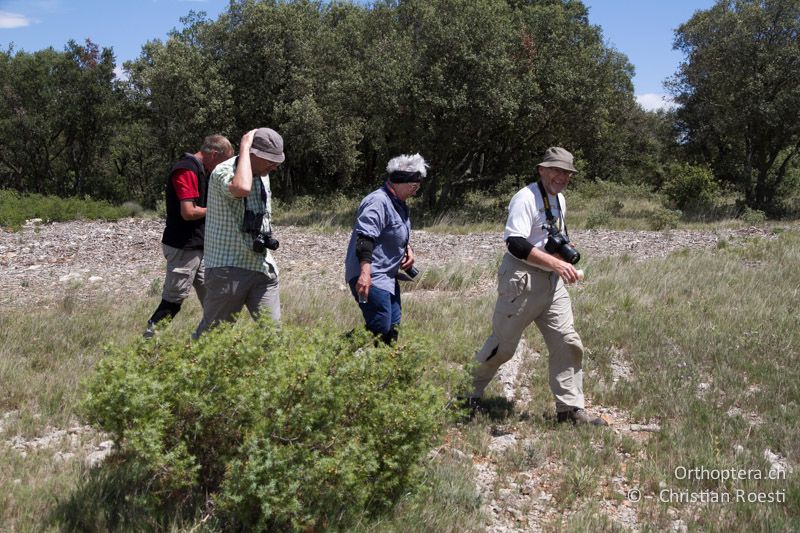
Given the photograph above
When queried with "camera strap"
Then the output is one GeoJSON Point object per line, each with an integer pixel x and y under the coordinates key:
{"type": "Point", "coordinates": [549, 212]}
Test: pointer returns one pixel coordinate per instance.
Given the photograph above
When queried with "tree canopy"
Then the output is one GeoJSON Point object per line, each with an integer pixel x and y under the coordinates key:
{"type": "Point", "coordinates": [738, 92]}
{"type": "Point", "coordinates": [479, 87]}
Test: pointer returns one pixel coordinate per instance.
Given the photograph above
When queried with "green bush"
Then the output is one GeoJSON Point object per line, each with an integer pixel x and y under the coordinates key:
{"type": "Point", "coordinates": [288, 428]}
{"type": "Point", "coordinates": [664, 219]}
{"type": "Point", "coordinates": [16, 208]}
{"type": "Point", "coordinates": [691, 188]}
{"type": "Point", "coordinates": [753, 217]}
{"type": "Point", "coordinates": [602, 215]}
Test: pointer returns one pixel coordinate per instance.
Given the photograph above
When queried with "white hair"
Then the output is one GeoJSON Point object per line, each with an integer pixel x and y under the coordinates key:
{"type": "Point", "coordinates": [408, 163]}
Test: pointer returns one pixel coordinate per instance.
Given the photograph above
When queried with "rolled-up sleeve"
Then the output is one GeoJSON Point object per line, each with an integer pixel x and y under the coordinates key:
{"type": "Point", "coordinates": [371, 219]}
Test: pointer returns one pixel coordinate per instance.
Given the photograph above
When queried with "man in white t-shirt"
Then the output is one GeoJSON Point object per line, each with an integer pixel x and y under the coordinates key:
{"type": "Point", "coordinates": [530, 288]}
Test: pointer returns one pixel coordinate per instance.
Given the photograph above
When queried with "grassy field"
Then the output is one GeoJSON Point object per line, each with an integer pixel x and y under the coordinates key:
{"type": "Point", "coordinates": [705, 344]}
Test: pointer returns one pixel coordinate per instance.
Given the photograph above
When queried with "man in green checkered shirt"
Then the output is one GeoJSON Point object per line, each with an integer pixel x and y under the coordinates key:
{"type": "Point", "coordinates": [240, 270]}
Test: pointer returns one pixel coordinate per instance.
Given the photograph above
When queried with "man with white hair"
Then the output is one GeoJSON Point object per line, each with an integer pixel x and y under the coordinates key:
{"type": "Point", "coordinates": [379, 249]}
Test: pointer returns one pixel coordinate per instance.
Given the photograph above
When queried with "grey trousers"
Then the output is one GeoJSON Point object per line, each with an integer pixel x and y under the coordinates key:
{"type": "Point", "coordinates": [230, 288]}
{"type": "Point", "coordinates": [527, 294]}
{"type": "Point", "coordinates": [184, 270]}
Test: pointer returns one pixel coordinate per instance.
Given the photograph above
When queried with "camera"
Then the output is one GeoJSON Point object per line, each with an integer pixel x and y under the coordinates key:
{"type": "Point", "coordinates": [407, 274]}
{"type": "Point", "coordinates": [262, 240]}
{"type": "Point", "coordinates": [559, 243]}
{"type": "Point", "coordinates": [265, 241]}
{"type": "Point", "coordinates": [252, 221]}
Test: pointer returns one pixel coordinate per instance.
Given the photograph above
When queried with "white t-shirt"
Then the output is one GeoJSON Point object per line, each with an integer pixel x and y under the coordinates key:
{"type": "Point", "coordinates": [527, 218]}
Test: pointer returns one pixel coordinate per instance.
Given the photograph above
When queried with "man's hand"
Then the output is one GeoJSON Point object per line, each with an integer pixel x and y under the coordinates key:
{"type": "Point", "coordinates": [408, 259]}
{"type": "Point", "coordinates": [364, 281]}
{"type": "Point", "coordinates": [246, 142]}
{"type": "Point", "coordinates": [553, 262]}
{"type": "Point", "coordinates": [566, 272]}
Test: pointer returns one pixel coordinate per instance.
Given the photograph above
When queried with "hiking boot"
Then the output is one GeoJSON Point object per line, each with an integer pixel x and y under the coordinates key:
{"type": "Point", "coordinates": [580, 416]}
{"type": "Point", "coordinates": [150, 332]}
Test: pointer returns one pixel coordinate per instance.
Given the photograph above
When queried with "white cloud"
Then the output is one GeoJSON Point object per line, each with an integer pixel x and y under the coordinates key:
{"type": "Point", "coordinates": [656, 102]}
{"type": "Point", "coordinates": [13, 20]}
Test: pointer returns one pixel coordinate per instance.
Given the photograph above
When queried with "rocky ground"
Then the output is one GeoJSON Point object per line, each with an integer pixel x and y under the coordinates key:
{"type": "Point", "coordinates": [104, 260]}
{"type": "Point", "coordinates": [94, 261]}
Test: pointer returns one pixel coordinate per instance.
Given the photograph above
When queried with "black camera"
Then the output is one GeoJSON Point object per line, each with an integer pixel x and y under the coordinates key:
{"type": "Point", "coordinates": [262, 240]}
{"type": "Point", "coordinates": [252, 221]}
{"type": "Point", "coordinates": [408, 274]}
{"type": "Point", "coordinates": [265, 241]}
{"type": "Point", "coordinates": [558, 243]}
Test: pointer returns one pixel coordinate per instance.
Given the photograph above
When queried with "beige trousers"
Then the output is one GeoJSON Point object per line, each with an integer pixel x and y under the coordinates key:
{"type": "Point", "coordinates": [527, 294]}
{"type": "Point", "coordinates": [184, 270]}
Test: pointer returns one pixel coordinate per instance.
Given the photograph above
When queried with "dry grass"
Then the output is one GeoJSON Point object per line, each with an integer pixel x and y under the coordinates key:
{"type": "Point", "coordinates": [711, 340]}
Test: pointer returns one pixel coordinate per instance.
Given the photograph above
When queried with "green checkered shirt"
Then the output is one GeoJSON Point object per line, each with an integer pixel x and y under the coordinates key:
{"type": "Point", "coordinates": [225, 244]}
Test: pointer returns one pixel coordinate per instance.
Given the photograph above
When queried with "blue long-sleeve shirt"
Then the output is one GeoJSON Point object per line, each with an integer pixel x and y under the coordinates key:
{"type": "Point", "coordinates": [384, 218]}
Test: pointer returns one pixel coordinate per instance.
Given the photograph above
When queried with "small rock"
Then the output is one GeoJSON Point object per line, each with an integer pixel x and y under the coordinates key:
{"type": "Point", "coordinates": [778, 466]}
{"type": "Point", "coordinates": [95, 279]}
{"type": "Point", "coordinates": [62, 456]}
{"type": "Point", "coordinates": [502, 443]}
{"type": "Point", "coordinates": [645, 427]}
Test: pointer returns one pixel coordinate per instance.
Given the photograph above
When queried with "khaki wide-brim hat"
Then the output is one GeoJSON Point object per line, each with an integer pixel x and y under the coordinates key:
{"type": "Point", "coordinates": [559, 158]}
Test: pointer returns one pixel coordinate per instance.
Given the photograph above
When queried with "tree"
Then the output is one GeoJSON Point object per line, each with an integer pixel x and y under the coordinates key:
{"type": "Point", "coordinates": [57, 115]}
{"type": "Point", "coordinates": [175, 98]}
{"type": "Point", "coordinates": [738, 92]}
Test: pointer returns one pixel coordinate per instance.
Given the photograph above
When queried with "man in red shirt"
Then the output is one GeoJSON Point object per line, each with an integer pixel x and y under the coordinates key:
{"type": "Point", "coordinates": [182, 242]}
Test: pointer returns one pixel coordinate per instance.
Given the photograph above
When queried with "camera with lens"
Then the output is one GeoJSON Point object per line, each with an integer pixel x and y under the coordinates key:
{"type": "Point", "coordinates": [265, 241]}
{"type": "Point", "coordinates": [262, 240]}
{"type": "Point", "coordinates": [558, 243]}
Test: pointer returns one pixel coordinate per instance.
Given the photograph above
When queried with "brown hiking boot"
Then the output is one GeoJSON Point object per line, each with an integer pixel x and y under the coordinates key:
{"type": "Point", "coordinates": [580, 416]}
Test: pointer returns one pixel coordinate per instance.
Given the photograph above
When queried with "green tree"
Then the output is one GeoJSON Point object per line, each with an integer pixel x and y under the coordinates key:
{"type": "Point", "coordinates": [176, 96]}
{"type": "Point", "coordinates": [57, 114]}
{"type": "Point", "coordinates": [738, 92]}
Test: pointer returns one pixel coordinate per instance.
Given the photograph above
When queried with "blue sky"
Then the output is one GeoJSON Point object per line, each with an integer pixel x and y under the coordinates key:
{"type": "Point", "coordinates": [641, 29]}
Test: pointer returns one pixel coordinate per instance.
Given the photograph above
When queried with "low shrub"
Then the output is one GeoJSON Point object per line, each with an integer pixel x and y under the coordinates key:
{"type": "Point", "coordinates": [273, 428]}
{"type": "Point", "coordinates": [662, 219]}
{"type": "Point", "coordinates": [16, 208]}
{"type": "Point", "coordinates": [753, 217]}
{"type": "Point", "coordinates": [691, 188]}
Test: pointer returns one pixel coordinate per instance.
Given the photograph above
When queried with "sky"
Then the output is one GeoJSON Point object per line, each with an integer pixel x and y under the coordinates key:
{"type": "Point", "coordinates": [643, 30]}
